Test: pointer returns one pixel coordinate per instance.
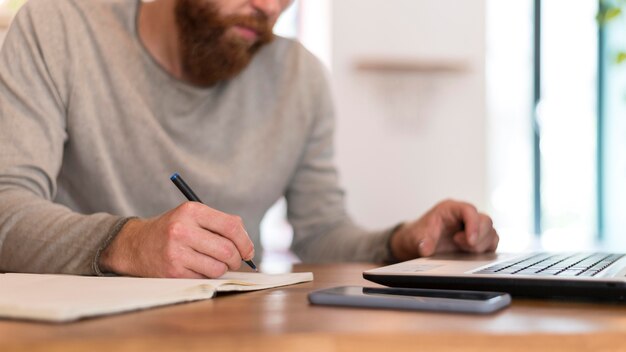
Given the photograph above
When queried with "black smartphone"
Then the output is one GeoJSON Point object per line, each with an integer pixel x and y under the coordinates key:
{"type": "Point", "coordinates": [412, 299]}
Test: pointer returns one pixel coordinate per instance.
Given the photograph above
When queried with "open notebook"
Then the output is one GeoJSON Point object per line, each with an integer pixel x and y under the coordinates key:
{"type": "Point", "coordinates": [63, 298]}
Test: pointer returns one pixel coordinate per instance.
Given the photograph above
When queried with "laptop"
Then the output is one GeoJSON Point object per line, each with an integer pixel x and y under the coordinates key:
{"type": "Point", "coordinates": [572, 275]}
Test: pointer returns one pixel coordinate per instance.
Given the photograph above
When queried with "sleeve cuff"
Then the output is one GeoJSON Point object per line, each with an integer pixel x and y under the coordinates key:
{"type": "Point", "coordinates": [388, 257]}
{"type": "Point", "coordinates": [108, 239]}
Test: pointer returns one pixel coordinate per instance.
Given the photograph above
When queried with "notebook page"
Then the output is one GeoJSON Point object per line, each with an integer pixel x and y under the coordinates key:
{"type": "Point", "coordinates": [62, 298]}
{"type": "Point", "coordinates": [243, 281]}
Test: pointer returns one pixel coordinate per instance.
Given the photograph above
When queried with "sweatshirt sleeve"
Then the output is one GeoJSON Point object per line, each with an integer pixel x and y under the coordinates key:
{"type": "Point", "coordinates": [37, 235]}
{"type": "Point", "coordinates": [323, 231]}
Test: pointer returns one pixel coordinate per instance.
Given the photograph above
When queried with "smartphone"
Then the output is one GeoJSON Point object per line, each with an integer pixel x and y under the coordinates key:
{"type": "Point", "coordinates": [412, 299]}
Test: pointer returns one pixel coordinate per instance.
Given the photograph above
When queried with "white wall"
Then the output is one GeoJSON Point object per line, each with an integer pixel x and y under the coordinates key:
{"type": "Point", "coordinates": [408, 140]}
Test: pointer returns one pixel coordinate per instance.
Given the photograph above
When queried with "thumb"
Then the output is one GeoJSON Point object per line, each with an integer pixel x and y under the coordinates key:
{"type": "Point", "coordinates": [426, 247]}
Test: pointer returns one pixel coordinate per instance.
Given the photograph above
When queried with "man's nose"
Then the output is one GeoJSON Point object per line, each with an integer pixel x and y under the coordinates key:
{"type": "Point", "coordinates": [270, 8]}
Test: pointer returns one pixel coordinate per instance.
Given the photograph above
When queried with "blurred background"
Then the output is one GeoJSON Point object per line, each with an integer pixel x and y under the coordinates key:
{"type": "Point", "coordinates": [517, 106]}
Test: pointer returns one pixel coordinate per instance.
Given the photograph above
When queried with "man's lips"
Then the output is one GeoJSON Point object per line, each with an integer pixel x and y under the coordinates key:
{"type": "Point", "coordinates": [247, 32]}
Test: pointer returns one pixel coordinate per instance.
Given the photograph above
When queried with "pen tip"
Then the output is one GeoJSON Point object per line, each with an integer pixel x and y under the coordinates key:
{"type": "Point", "coordinates": [251, 264]}
{"type": "Point", "coordinates": [174, 176]}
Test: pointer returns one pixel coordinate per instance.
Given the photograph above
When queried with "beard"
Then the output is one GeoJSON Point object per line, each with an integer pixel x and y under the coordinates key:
{"type": "Point", "coordinates": [209, 55]}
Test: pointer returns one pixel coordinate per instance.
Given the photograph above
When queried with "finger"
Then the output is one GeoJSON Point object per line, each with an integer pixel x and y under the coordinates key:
{"type": "Point", "coordinates": [471, 220]}
{"type": "Point", "coordinates": [483, 239]}
{"type": "Point", "coordinates": [460, 240]}
{"type": "Point", "coordinates": [232, 228]}
{"type": "Point", "coordinates": [217, 247]}
{"type": "Point", "coordinates": [425, 246]}
{"type": "Point", "coordinates": [182, 273]}
{"type": "Point", "coordinates": [494, 242]}
{"type": "Point", "coordinates": [223, 224]}
{"type": "Point", "coordinates": [488, 237]}
{"type": "Point", "coordinates": [487, 243]}
{"type": "Point", "coordinates": [205, 266]}
{"type": "Point", "coordinates": [486, 228]}
{"type": "Point", "coordinates": [190, 274]}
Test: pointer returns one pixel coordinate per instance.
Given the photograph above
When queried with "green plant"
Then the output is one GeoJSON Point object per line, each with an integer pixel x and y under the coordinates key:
{"type": "Point", "coordinates": [611, 11]}
{"type": "Point", "coordinates": [13, 5]}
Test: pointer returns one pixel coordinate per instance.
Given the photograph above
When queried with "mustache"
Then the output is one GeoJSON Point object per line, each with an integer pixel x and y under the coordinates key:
{"type": "Point", "coordinates": [205, 30]}
{"type": "Point", "coordinates": [204, 19]}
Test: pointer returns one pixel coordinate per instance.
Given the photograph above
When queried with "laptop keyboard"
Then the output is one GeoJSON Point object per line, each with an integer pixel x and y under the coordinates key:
{"type": "Point", "coordinates": [547, 264]}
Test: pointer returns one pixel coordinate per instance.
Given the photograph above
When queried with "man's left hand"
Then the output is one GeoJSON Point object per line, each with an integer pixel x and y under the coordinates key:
{"type": "Point", "coordinates": [450, 226]}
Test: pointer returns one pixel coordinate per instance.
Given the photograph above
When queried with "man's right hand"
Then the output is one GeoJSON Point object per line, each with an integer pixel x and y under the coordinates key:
{"type": "Point", "coordinates": [190, 241]}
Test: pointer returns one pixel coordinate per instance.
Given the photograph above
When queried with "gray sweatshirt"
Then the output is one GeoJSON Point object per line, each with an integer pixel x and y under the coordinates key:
{"type": "Point", "coordinates": [91, 128]}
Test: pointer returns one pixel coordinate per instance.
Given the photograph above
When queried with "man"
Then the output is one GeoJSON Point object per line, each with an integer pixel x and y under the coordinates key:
{"type": "Point", "coordinates": [101, 100]}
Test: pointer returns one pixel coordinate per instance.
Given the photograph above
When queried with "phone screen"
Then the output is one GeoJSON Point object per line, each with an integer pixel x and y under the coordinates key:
{"type": "Point", "coordinates": [412, 299]}
{"type": "Point", "coordinates": [450, 294]}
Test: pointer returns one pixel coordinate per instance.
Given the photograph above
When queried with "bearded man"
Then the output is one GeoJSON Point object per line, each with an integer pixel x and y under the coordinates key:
{"type": "Point", "coordinates": [101, 100]}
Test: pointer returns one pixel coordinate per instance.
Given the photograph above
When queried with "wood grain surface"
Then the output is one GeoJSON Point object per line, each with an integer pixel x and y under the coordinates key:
{"type": "Point", "coordinates": [281, 319]}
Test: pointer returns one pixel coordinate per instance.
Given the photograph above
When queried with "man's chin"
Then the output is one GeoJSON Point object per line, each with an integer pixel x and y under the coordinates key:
{"type": "Point", "coordinates": [222, 60]}
{"type": "Point", "coordinates": [204, 74]}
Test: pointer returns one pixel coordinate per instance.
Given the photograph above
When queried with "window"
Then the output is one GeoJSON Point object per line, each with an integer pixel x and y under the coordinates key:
{"type": "Point", "coordinates": [613, 134]}
{"type": "Point", "coordinates": [567, 121]}
{"type": "Point", "coordinates": [557, 105]}
{"type": "Point", "coordinates": [509, 96]}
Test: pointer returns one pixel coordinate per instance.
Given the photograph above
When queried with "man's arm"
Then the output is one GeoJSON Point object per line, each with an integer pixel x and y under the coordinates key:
{"type": "Point", "coordinates": [324, 232]}
{"type": "Point", "coordinates": [35, 234]}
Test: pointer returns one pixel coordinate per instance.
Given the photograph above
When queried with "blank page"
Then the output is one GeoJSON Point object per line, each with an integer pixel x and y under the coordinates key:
{"type": "Point", "coordinates": [63, 298]}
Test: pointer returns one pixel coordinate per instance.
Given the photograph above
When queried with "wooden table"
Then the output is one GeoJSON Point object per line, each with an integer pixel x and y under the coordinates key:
{"type": "Point", "coordinates": [282, 320]}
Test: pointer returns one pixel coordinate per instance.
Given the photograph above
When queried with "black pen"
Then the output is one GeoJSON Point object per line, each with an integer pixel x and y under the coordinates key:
{"type": "Point", "coordinates": [190, 195]}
